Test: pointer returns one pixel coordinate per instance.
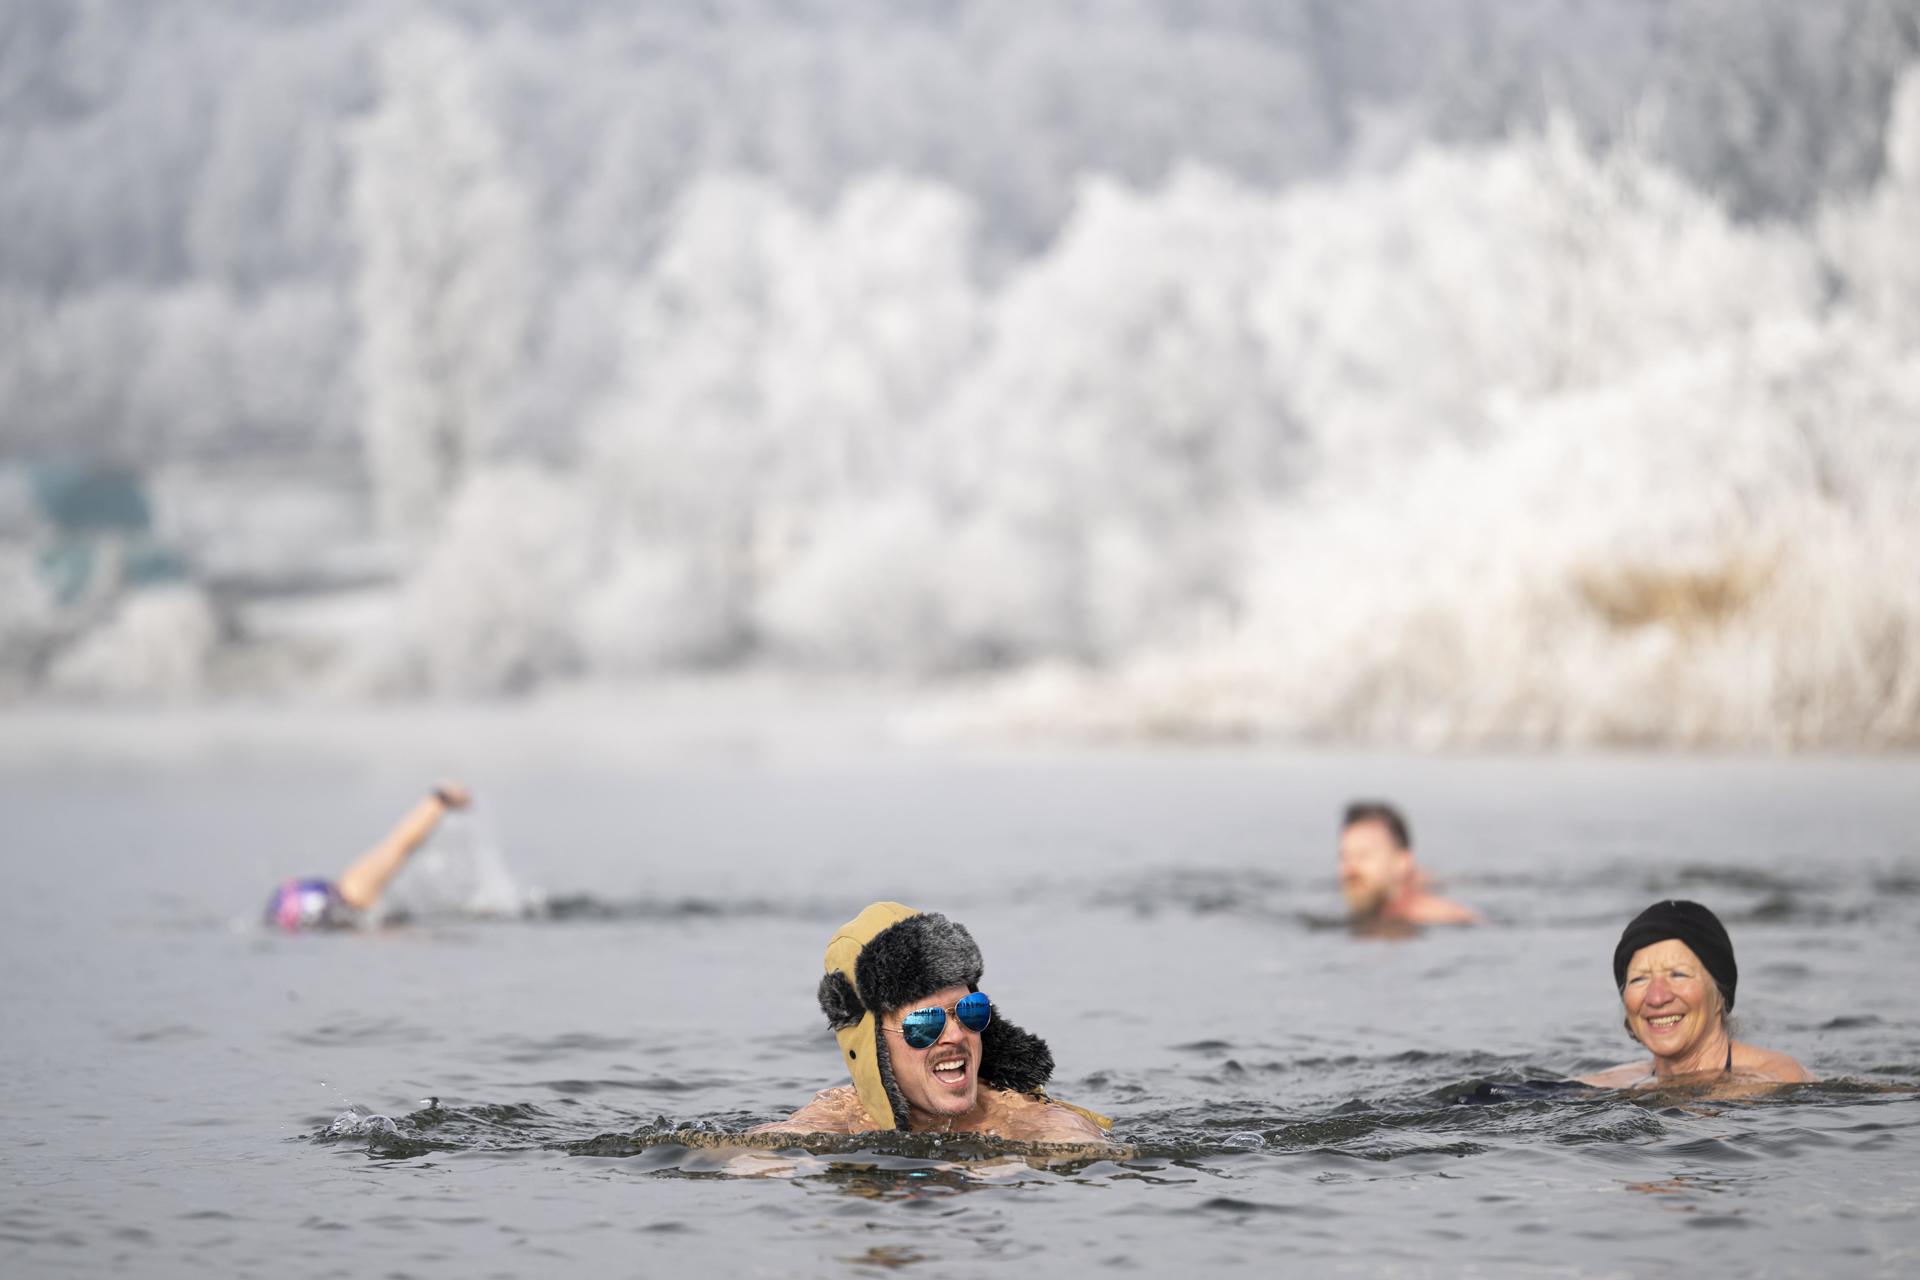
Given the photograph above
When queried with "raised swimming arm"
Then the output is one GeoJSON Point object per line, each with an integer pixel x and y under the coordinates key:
{"type": "Point", "coordinates": [362, 883]}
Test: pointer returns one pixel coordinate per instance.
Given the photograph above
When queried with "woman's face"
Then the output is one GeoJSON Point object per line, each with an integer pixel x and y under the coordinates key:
{"type": "Point", "coordinates": [1672, 1002]}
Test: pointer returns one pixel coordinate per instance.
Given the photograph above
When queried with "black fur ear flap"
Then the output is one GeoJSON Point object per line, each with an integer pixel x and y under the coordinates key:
{"type": "Point", "coordinates": [839, 1001]}
{"type": "Point", "coordinates": [1013, 1058]}
{"type": "Point", "coordinates": [902, 1118]}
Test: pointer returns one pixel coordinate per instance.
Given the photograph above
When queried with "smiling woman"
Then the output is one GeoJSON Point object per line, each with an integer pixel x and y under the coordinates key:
{"type": "Point", "coordinates": [1677, 977]}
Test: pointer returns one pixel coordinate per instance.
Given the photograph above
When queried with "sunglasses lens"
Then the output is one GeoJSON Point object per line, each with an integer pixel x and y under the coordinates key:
{"type": "Point", "coordinates": [975, 1011]}
{"type": "Point", "coordinates": [923, 1026]}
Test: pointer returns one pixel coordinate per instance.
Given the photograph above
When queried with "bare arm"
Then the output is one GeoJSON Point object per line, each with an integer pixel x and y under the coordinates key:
{"type": "Point", "coordinates": [362, 883]}
{"type": "Point", "coordinates": [1063, 1124]}
{"type": "Point", "coordinates": [1428, 909]}
{"type": "Point", "coordinates": [1765, 1064]}
{"type": "Point", "coordinates": [1028, 1119]}
{"type": "Point", "coordinates": [831, 1111]}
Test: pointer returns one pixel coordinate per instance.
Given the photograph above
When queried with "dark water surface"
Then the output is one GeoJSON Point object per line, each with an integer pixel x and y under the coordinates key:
{"type": "Point", "coordinates": [184, 1092]}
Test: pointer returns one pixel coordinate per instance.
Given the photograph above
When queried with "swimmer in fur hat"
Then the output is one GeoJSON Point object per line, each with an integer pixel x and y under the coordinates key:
{"type": "Point", "coordinates": [927, 1050]}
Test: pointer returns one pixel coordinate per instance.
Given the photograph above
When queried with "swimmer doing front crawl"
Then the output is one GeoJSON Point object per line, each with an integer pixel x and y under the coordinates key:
{"type": "Point", "coordinates": [336, 904]}
{"type": "Point", "coordinates": [927, 1050]}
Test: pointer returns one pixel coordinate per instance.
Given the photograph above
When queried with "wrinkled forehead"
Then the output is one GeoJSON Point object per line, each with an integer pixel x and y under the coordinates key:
{"type": "Point", "coordinates": [1668, 953]}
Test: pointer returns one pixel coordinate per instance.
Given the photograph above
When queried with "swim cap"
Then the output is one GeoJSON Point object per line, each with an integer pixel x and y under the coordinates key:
{"type": "Point", "coordinates": [890, 956]}
{"type": "Point", "coordinates": [1687, 922]}
{"type": "Point", "coordinates": [305, 904]}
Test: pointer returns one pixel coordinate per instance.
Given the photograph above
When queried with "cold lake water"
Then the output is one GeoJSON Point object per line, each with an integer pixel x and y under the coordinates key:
{"type": "Point", "coordinates": [549, 1087]}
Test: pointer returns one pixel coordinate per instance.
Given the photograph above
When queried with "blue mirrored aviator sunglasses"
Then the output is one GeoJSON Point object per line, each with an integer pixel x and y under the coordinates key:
{"type": "Point", "coordinates": [923, 1026]}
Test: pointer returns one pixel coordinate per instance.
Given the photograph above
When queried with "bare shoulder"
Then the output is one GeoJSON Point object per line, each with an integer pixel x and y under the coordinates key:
{"type": "Point", "coordinates": [1768, 1065]}
{"type": "Point", "coordinates": [1624, 1076]}
{"type": "Point", "coordinates": [1064, 1124]}
{"type": "Point", "coordinates": [835, 1110]}
{"type": "Point", "coordinates": [1029, 1119]}
{"type": "Point", "coordinates": [1429, 909]}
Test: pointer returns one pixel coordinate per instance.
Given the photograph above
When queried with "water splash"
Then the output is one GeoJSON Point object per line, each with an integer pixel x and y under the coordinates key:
{"type": "Point", "coordinates": [462, 871]}
{"type": "Point", "coordinates": [1459, 1119]}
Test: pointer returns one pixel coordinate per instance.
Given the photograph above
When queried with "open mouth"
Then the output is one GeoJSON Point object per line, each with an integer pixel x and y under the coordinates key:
{"type": "Point", "coordinates": [950, 1070]}
{"type": "Point", "coordinates": [1666, 1021]}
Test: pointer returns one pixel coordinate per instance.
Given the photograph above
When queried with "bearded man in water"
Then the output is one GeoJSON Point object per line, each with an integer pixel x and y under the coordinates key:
{"type": "Point", "coordinates": [927, 1050]}
{"type": "Point", "coordinates": [1378, 877]}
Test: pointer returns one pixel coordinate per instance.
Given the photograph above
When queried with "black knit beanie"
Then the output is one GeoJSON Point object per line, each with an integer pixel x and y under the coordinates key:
{"type": "Point", "coordinates": [1688, 922]}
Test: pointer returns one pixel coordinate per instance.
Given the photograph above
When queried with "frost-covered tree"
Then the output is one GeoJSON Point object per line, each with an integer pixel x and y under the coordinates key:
{"type": "Point", "coordinates": [445, 281]}
{"type": "Point", "coordinates": [268, 201]}
{"type": "Point", "coordinates": [1872, 241]}
{"type": "Point", "coordinates": [778, 364]}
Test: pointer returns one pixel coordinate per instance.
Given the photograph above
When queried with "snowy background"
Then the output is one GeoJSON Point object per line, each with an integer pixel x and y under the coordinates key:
{"type": "Point", "coordinates": [1463, 372]}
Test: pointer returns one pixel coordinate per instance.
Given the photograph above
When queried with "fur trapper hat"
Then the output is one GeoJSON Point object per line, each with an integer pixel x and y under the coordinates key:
{"type": "Point", "coordinates": [890, 956]}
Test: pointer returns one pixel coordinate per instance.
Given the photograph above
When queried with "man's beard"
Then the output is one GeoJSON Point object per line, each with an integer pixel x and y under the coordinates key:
{"type": "Point", "coordinates": [1366, 900]}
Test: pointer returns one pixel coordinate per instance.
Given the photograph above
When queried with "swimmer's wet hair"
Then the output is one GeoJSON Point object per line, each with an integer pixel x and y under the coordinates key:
{"type": "Point", "coordinates": [1383, 813]}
